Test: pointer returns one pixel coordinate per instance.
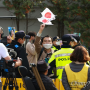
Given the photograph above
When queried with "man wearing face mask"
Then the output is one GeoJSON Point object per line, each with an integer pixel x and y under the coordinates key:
{"type": "Point", "coordinates": [30, 49]}
{"type": "Point", "coordinates": [62, 56]}
{"type": "Point", "coordinates": [56, 43]}
{"type": "Point", "coordinates": [76, 41]}
{"type": "Point", "coordinates": [45, 50]}
{"type": "Point", "coordinates": [20, 50]}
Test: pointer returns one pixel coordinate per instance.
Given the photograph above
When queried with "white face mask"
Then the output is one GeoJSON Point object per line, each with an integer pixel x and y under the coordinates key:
{"type": "Point", "coordinates": [58, 43]}
{"type": "Point", "coordinates": [47, 46]}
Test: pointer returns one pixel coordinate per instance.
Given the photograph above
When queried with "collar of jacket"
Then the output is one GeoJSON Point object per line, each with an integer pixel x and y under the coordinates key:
{"type": "Point", "coordinates": [15, 42]}
{"type": "Point", "coordinates": [49, 52]}
{"type": "Point", "coordinates": [65, 46]}
{"type": "Point", "coordinates": [57, 47]}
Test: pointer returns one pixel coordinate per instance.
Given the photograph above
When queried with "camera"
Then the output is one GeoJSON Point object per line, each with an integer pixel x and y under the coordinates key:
{"type": "Point", "coordinates": [8, 63]}
{"type": "Point", "coordinates": [12, 53]}
{"type": "Point", "coordinates": [8, 70]}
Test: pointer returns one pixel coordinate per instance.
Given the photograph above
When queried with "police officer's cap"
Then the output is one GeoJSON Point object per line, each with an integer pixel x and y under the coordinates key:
{"type": "Point", "coordinates": [66, 38]}
{"type": "Point", "coordinates": [56, 38]}
{"type": "Point", "coordinates": [75, 36]}
{"type": "Point", "coordinates": [21, 34]}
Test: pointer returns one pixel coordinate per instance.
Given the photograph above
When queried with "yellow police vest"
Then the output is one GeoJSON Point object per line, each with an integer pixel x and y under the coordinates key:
{"type": "Point", "coordinates": [62, 57]}
{"type": "Point", "coordinates": [77, 80]}
{"type": "Point", "coordinates": [54, 48]}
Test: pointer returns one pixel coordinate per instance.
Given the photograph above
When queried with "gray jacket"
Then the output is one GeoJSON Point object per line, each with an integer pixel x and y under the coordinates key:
{"type": "Point", "coordinates": [76, 68]}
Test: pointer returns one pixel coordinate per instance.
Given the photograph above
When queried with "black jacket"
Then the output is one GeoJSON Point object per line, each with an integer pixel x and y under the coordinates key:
{"type": "Point", "coordinates": [89, 50]}
{"type": "Point", "coordinates": [76, 46]}
{"type": "Point", "coordinates": [21, 53]}
{"type": "Point", "coordinates": [76, 68]}
{"type": "Point", "coordinates": [57, 47]}
{"type": "Point", "coordinates": [46, 81]}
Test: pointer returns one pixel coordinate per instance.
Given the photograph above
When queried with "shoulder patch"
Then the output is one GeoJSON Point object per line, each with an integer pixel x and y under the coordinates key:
{"type": "Point", "coordinates": [16, 46]}
{"type": "Point", "coordinates": [7, 45]}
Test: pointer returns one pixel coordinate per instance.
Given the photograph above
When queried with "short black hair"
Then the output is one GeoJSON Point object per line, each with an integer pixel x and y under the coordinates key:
{"type": "Point", "coordinates": [44, 37]}
{"type": "Point", "coordinates": [17, 38]}
{"type": "Point", "coordinates": [32, 34]}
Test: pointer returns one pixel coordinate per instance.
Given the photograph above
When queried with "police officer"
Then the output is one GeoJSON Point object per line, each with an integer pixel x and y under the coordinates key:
{"type": "Point", "coordinates": [76, 40]}
{"type": "Point", "coordinates": [21, 52]}
{"type": "Point", "coordinates": [56, 43]}
{"type": "Point", "coordinates": [62, 56]}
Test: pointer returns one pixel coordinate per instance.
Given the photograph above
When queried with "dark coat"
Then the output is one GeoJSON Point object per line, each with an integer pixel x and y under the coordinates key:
{"type": "Point", "coordinates": [46, 81]}
{"type": "Point", "coordinates": [77, 45]}
{"type": "Point", "coordinates": [21, 53]}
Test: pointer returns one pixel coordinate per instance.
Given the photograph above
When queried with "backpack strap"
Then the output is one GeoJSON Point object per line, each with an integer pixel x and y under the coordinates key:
{"type": "Point", "coordinates": [40, 53]}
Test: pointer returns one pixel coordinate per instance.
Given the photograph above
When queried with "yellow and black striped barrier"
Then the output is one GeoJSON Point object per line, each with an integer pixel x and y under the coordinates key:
{"type": "Point", "coordinates": [21, 86]}
{"type": "Point", "coordinates": [19, 82]}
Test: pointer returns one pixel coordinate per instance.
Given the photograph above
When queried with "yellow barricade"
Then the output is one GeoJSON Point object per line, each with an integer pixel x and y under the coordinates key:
{"type": "Point", "coordinates": [19, 82]}
{"type": "Point", "coordinates": [21, 86]}
{"type": "Point", "coordinates": [58, 84]}
{"type": "Point", "coordinates": [61, 86]}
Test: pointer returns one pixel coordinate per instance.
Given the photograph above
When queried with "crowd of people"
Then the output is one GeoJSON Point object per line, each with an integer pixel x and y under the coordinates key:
{"type": "Point", "coordinates": [63, 58]}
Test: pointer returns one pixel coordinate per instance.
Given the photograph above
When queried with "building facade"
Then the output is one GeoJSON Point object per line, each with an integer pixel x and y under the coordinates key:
{"type": "Point", "coordinates": [6, 20]}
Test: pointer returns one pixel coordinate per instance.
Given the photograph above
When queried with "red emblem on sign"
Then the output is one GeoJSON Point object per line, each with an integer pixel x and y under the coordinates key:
{"type": "Point", "coordinates": [44, 21]}
{"type": "Point", "coordinates": [48, 15]}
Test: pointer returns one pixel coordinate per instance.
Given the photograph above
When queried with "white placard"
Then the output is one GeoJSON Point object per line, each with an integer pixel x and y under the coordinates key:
{"type": "Point", "coordinates": [47, 17]}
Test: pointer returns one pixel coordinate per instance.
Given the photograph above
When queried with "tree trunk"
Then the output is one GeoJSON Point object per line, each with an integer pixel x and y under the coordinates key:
{"type": "Point", "coordinates": [17, 22]}
{"type": "Point", "coordinates": [60, 31]}
{"type": "Point", "coordinates": [26, 25]}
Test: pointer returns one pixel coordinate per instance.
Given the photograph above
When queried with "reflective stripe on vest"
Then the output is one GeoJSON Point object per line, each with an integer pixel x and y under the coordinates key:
{"type": "Point", "coordinates": [65, 54]}
{"type": "Point", "coordinates": [61, 57]}
{"type": "Point", "coordinates": [60, 67]}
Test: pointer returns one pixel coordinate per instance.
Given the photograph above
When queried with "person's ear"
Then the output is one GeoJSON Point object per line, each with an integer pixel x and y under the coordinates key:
{"type": "Point", "coordinates": [46, 72]}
